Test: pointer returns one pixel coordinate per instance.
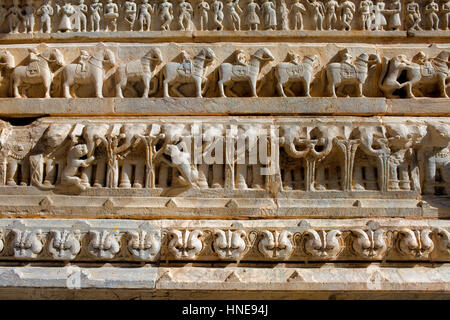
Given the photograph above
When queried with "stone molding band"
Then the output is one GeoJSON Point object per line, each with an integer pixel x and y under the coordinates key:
{"type": "Point", "coordinates": [221, 240]}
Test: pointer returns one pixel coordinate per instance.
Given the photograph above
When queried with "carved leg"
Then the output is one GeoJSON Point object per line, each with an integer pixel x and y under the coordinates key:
{"type": "Point", "coordinates": [442, 87]}
{"type": "Point", "coordinates": [166, 88]}
{"type": "Point", "coordinates": [287, 179]}
{"type": "Point", "coordinates": [306, 84]}
{"type": "Point", "coordinates": [100, 174]}
{"type": "Point", "coordinates": [280, 89]}
{"type": "Point", "coordinates": [430, 177]}
{"type": "Point", "coordinates": [25, 173]}
{"type": "Point", "coordinates": [358, 179]}
{"type": "Point", "coordinates": [241, 176]}
{"type": "Point", "coordinates": [139, 176]}
{"type": "Point", "coordinates": [119, 87]}
{"type": "Point", "coordinates": [16, 84]}
{"type": "Point", "coordinates": [126, 174]}
{"type": "Point", "coordinates": [198, 86]}
{"type": "Point", "coordinates": [257, 178]}
{"type": "Point", "coordinates": [98, 87]}
{"type": "Point", "coordinates": [146, 80]}
{"type": "Point", "coordinates": [253, 86]}
{"type": "Point", "coordinates": [86, 175]}
{"type": "Point", "coordinates": [332, 89]}
{"type": "Point", "coordinates": [203, 176]}
{"type": "Point", "coordinates": [319, 184]}
{"type": "Point", "coordinates": [359, 90]}
{"type": "Point", "coordinates": [217, 181]}
{"type": "Point", "coordinates": [393, 180]}
{"type": "Point", "coordinates": [11, 172]}
{"type": "Point", "coordinates": [404, 177]}
{"type": "Point", "coordinates": [50, 172]}
{"type": "Point", "coordinates": [221, 89]}
{"type": "Point", "coordinates": [66, 89]}
{"type": "Point", "coordinates": [163, 175]}
{"type": "Point", "coordinates": [370, 178]}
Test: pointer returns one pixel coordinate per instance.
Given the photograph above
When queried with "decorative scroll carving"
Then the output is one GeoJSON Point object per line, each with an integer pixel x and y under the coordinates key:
{"type": "Point", "coordinates": [186, 244]}
{"type": "Point", "coordinates": [65, 244]}
{"type": "Point", "coordinates": [104, 244]}
{"type": "Point", "coordinates": [322, 243]}
{"type": "Point", "coordinates": [415, 243]}
{"type": "Point", "coordinates": [276, 244]}
{"type": "Point", "coordinates": [27, 244]}
{"type": "Point", "coordinates": [230, 244]}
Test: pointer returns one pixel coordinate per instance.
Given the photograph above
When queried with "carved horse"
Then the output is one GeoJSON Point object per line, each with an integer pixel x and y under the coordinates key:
{"type": "Point", "coordinates": [287, 72]}
{"type": "Point", "coordinates": [179, 73]}
{"type": "Point", "coordinates": [434, 71]}
{"type": "Point", "coordinates": [139, 70]}
{"type": "Point", "coordinates": [37, 72]}
{"type": "Point", "coordinates": [95, 73]}
{"type": "Point", "coordinates": [342, 73]}
{"type": "Point", "coordinates": [229, 73]}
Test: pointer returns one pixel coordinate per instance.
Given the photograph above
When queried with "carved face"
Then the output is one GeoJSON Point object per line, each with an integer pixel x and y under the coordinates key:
{"type": "Point", "coordinates": [79, 151]}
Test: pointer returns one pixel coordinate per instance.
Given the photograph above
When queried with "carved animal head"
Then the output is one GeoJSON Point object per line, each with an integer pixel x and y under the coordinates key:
{"type": "Point", "coordinates": [439, 134]}
{"type": "Point", "coordinates": [154, 55]}
{"type": "Point", "coordinates": [400, 134]}
{"type": "Point", "coordinates": [6, 59]}
{"type": "Point", "coordinates": [78, 151]}
{"type": "Point", "coordinates": [56, 133]}
{"type": "Point", "coordinates": [207, 54]}
{"type": "Point", "coordinates": [312, 59]}
{"type": "Point", "coordinates": [173, 132]}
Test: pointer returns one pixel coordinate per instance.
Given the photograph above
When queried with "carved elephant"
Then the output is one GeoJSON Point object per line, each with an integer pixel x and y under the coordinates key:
{"type": "Point", "coordinates": [49, 153]}
{"type": "Point", "coordinates": [373, 143]}
{"type": "Point", "coordinates": [90, 135]}
{"type": "Point", "coordinates": [212, 155]}
{"type": "Point", "coordinates": [403, 167]}
{"type": "Point", "coordinates": [131, 146]}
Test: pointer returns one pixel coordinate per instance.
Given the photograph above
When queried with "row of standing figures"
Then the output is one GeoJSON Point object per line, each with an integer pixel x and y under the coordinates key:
{"type": "Point", "coordinates": [419, 75]}
{"type": "Point", "coordinates": [328, 15]}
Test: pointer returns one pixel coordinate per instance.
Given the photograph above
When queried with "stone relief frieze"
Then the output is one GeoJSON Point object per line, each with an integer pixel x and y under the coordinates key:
{"type": "Point", "coordinates": [110, 16]}
{"type": "Point", "coordinates": [211, 71]}
{"type": "Point", "coordinates": [70, 157]}
{"type": "Point", "coordinates": [386, 240]}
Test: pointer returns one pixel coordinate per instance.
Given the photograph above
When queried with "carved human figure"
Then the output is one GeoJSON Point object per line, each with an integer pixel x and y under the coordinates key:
{"type": "Point", "coordinates": [81, 17]}
{"type": "Point", "coordinates": [252, 18]}
{"type": "Point", "coordinates": [348, 10]}
{"type": "Point", "coordinates": [130, 12]}
{"type": "Point", "coordinates": [203, 9]}
{"type": "Point", "coordinates": [217, 6]}
{"type": "Point", "coordinates": [96, 11]}
{"type": "Point", "coordinates": [15, 17]}
{"type": "Point", "coordinates": [297, 10]}
{"type": "Point", "coordinates": [269, 15]}
{"type": "Point", "coordinates": [145, 15]}
{"type": "Point", "coordinates": [380, 21]}
{"type": "Point", "coordinates": [413, 18]}
{"type": "Point", "coordinates": [185, 17]}
{"type": "Point", "coordinates": [318, 12]}
{"type": "Point", "coordinates": [331, 8]}
{"type": "Point", "coordinates": [165, 11]}
{"type": "Point", "coordinates": [395, 11]}
{"type": "Point", "coordinates": [111, 15]}
{"type": "Point", "coordinates": [45, 12]}
{"type": "Point", "coordinates": [73, 163]}
{"type": "Point", "coordinates": [28, 16]}
{"type": "Point", "coordinates": [431, 12]}
{"type": "Point", "coordinates": [446, 15]}
{"type": "Point", "coordinates": [284, 15]}
{"type": "Point", "coordinates": [66, 12]}
{"type": "Point", "coordinates": [233, 12]}
{"type": "Point", "coordinates": [365, 8]}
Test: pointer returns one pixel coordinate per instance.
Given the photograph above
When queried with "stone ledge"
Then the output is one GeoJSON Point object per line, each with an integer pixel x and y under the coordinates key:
{"type": "Point", "coordinates": [373, 278]}
{"type": "Point", "coordinates": [228, 35]}
{"type": "Point", "coordinates": [31, 107]}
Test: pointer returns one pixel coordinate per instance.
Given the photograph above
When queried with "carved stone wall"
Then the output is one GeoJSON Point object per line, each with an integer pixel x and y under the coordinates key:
{"type": "Point", "coordinates": [224, 149]}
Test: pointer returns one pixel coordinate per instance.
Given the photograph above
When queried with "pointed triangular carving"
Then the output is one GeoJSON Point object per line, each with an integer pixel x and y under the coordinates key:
{"type": "Point", "coordinates": [166, 276]}
{"type": "Point", "coordinates": [46, 203]}
{"type": "Point", "coordinates": [108, 204]}
{"type": "Point", "coordinates": [233, 277]}
{"type": "Point", "coordinates": [378, 277]}
{"type": "Point", "coordinates": [171, 203]}
{"type": "Point", "coordinates": [295, 276]}
{"type": "Point", "coordinates": [232, 204]}
{"type": "Point", "coordinates": [357, 203]}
